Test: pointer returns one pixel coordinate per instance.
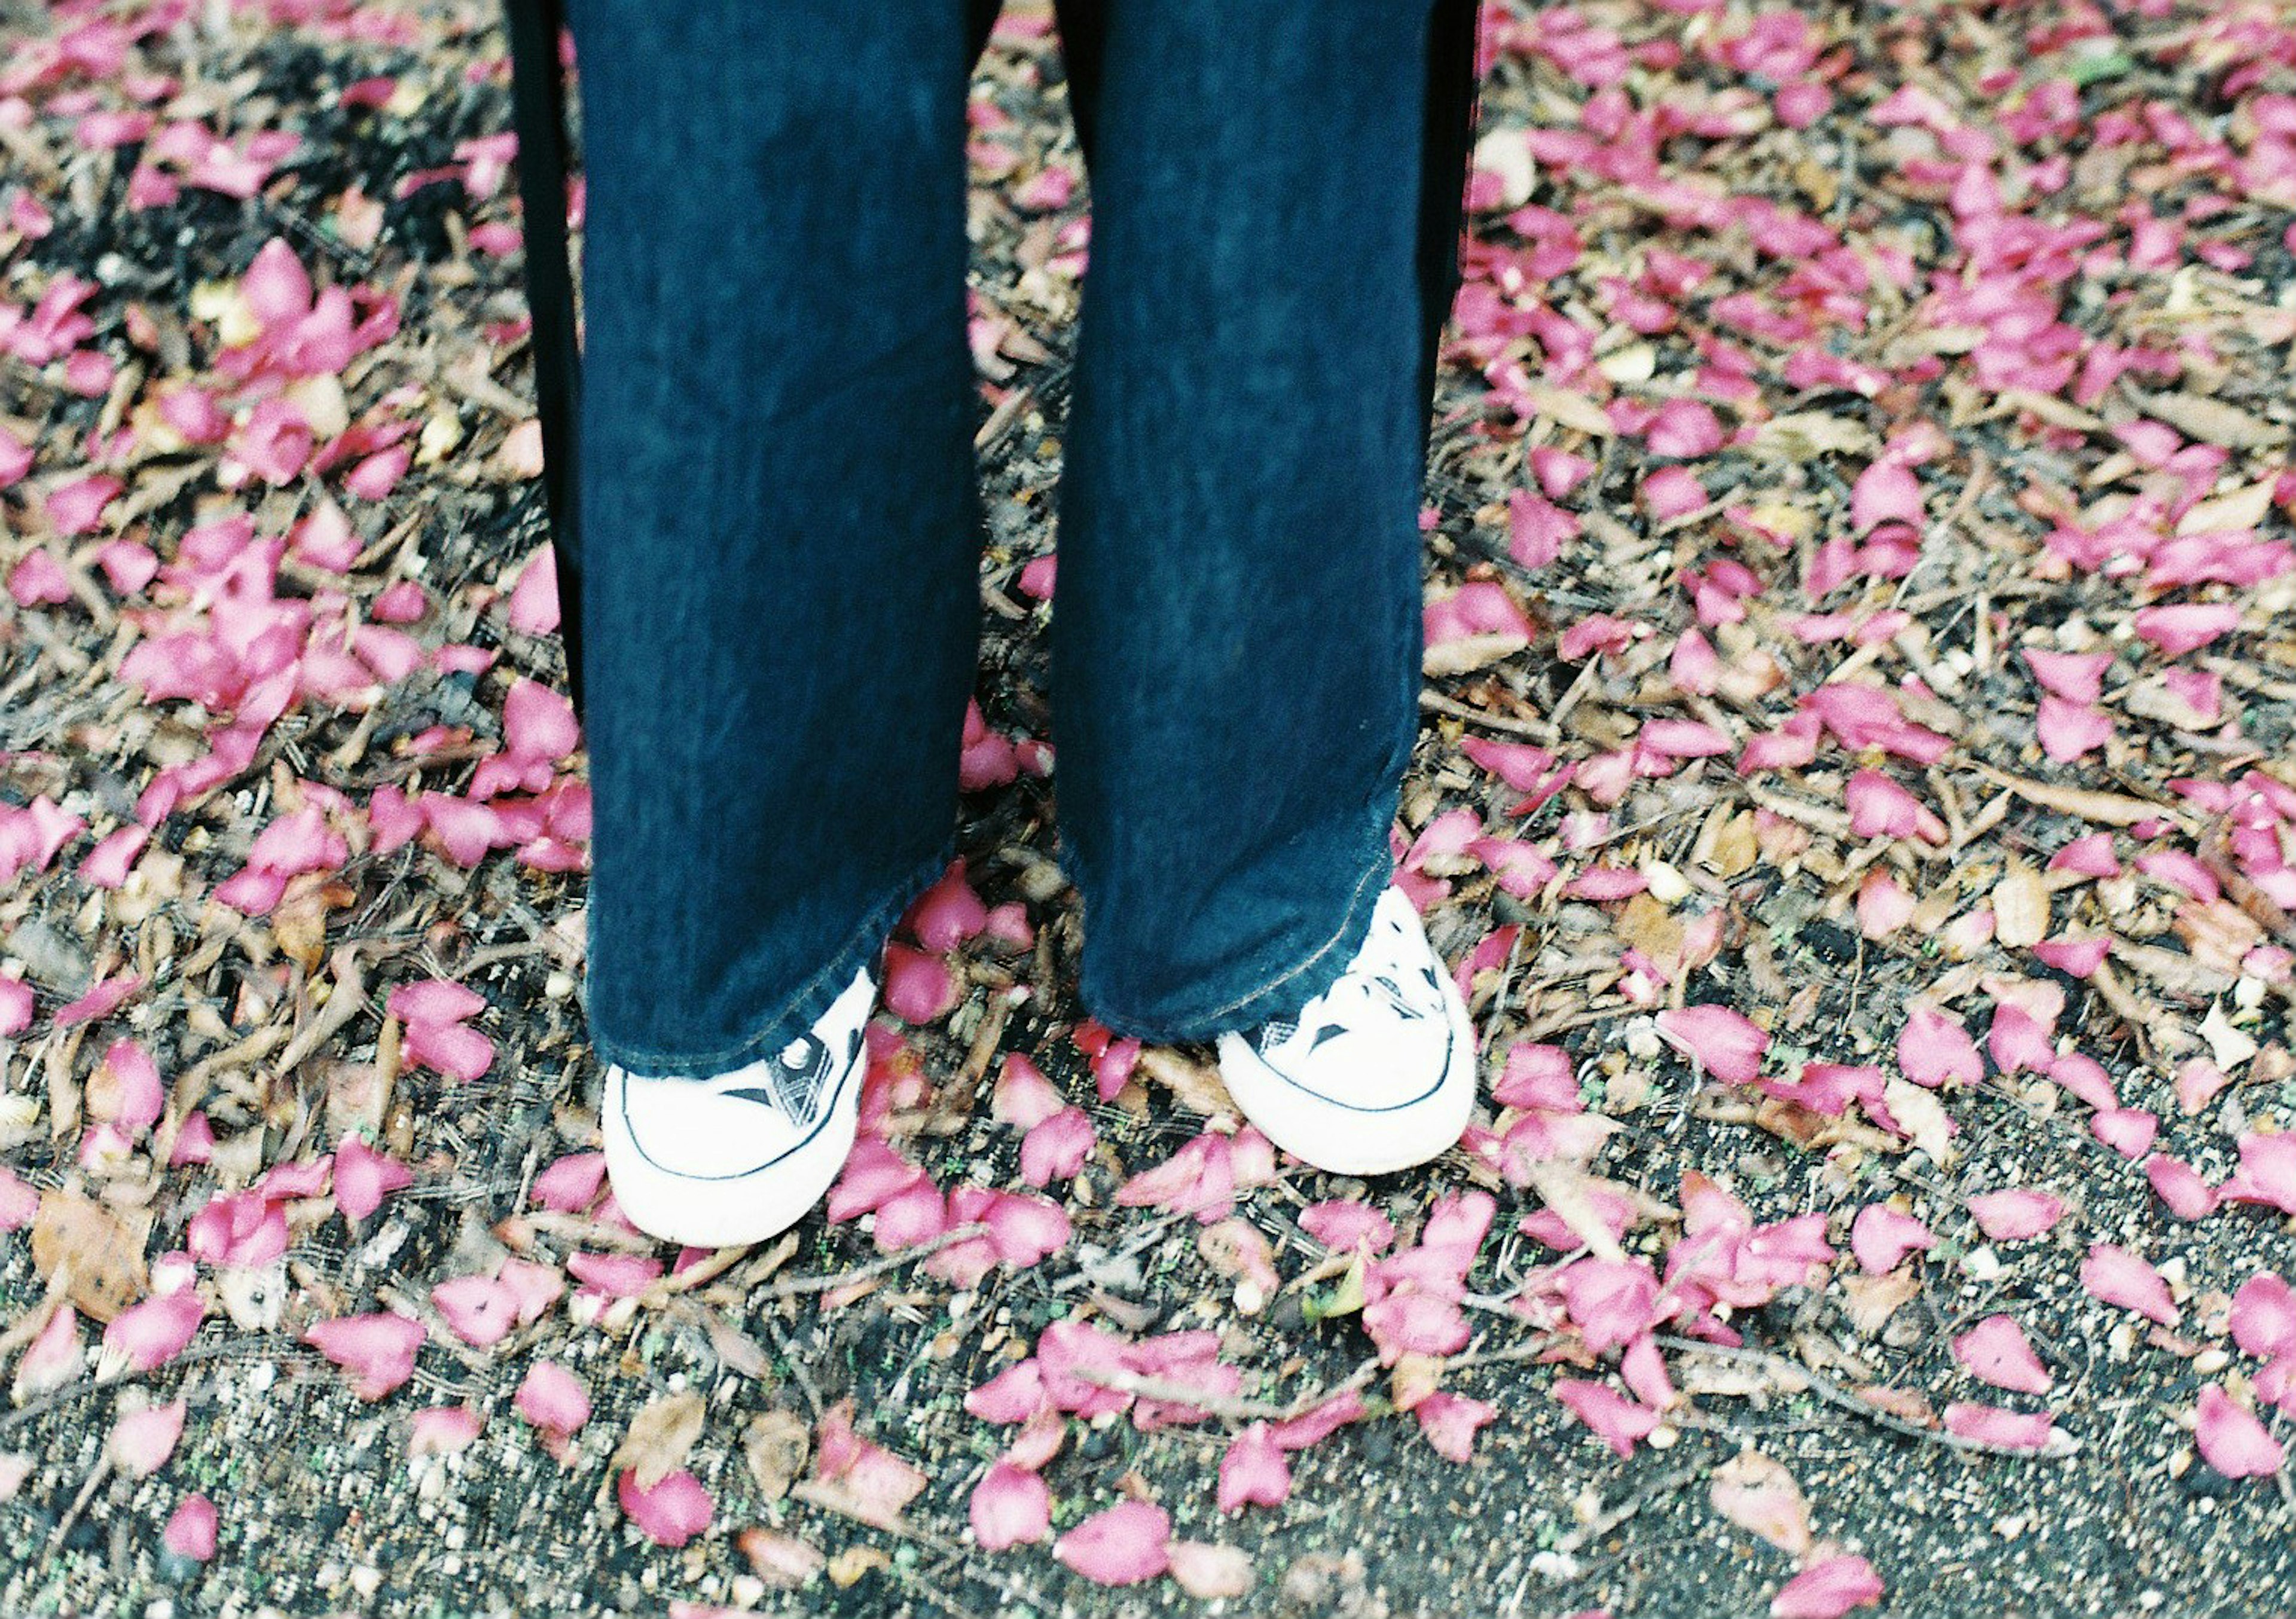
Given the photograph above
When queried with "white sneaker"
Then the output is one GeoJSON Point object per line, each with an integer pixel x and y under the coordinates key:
{"type": "Point", "coordinates": [1375, 1074]}
{"type": "Point", "coordinates": [732, 1159]}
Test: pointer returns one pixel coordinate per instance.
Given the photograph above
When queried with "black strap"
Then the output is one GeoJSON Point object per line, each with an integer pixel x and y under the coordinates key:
{"type": "Point", "coordinates": [539, 115]}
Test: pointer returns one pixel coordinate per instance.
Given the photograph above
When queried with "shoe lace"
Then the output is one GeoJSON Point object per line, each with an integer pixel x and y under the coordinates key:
{"type": "Point", "coordinates": [795, 1078]}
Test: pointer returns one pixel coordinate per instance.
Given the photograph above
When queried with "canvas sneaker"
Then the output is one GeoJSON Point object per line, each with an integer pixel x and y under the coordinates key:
{"type": "Point", "coordinates": [1375, 1074]}
{"type": "Point", "coordinates": [727, 1159]}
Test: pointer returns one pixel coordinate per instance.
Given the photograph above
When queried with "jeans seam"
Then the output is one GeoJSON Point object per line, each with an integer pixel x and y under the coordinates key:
{"type": "Point", "coordinates": [1380, 867]}
{"type": "Point", "coordinates": [851, 954]}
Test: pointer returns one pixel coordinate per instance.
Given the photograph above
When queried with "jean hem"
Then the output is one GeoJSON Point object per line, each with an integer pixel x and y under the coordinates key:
{"type": "Point", "coordinates": [1288, 990]}
{"type": "Point", "coordinates": [803, 1009]}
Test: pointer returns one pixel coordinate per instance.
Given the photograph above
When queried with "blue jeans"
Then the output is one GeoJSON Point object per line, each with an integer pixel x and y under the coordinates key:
{"type": "Point", "coordinates": [782, 525]}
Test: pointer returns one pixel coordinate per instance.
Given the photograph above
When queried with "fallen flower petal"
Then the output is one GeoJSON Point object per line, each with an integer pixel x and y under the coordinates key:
{"type": "Point", "coordinates": [553, 1399]}
{"type": "Point", "coordinates": [1010, 1506]}
{"type": "Point", "coordinates": [671, 1513]}
{"type": "Point", "coordinates": [1996, 1350]}
{"type": "Point", "coordinates": [1118, 1545]}
{"type": "Point", "coordinates": [191, 1529]}
{"type": "Point", "coordinates": [151, 1334]}
{"type": "Point", "coordinates": [1252, 1470]}
{"type": "Point", "coordinates": [2232, 1439]}
{"type": "Point", "coordinates": [1880, 1238]}
{"type": "Point", "coordinates": [377, 1349]}
{"type": "Point", "coordinates": [1727, 1043]}
{"type": "Point", "coordinates": [1828, 1590]}
{"type": "Point", "coordinates": [142, 1441]}
{"type": "Point", "coordinates": [2116, 1276]}
{"type": "Point", "coordinates": [1617, 1419]}
{"type": "Point", "coordinates": [2009, 1216]}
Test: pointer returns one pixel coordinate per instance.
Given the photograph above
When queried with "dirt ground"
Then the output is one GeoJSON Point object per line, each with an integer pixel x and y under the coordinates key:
{"type": "Point", "coordinates": [2162, 119]}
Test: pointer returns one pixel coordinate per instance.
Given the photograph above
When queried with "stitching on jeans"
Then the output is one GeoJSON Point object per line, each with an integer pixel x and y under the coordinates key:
{"type": "Point", "coordinates": [919, 877]}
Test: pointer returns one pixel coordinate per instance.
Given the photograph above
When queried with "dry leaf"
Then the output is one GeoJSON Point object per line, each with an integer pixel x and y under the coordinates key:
{"type": "Point", "coordinates": [782, 1561]}
{"type": "Point", "coordinates": [2021, 908]}
{"type": "Point", "coordinates": [2210, 420]}
{"type": "Point", "coordinates": [93, 1252]}
{"type": "Point", "coordinates": [1874, 1299]}
{"type": "Point", "coordinates": [1205, 1570]}
{"type": "Point", "coordinates": [1759, 1495]}
{"type": "Point", "coordinates": [849, 1565]}
{"type": "Point", "coordinates": [776, 1445]}
{"type": "Point", "coordinates": [660, 1436]}
{"type": "Point", "coordinates": [1923, 1119]}
{"type": "Point", "coordinates": [1194, 1087]}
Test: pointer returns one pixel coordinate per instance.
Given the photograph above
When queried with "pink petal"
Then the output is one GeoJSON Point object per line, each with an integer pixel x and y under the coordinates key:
{"type": "Point", "coordinates": [534, 1288]}
{"type": "Point", "coordinates": [377, 1349]}
{"type": "Point", "coordinates": [1021, 1094]}
{"type": "Point", "coordinates": [1880, 808]}
{"type": "Point", "coordinates": [479, 1309]}
{"type": "Point", "coordinates": [1610, 1302]}
{"type": "Point", "coordinates": [2179, 1186]}
{"type": "Point", "coordinates": [2198, 1082]}
{"type": "Point", "coordinates": [1025, 1229]}
{"type": "Point", "coordinates": [1056, 1148]}
{"type": "Point", "coordinates": [1880, 1238]}
{"type": "Point", "coordinates": [1619, 1420]}
{"type": "Point", "coordinates": [1725, 1044]}
{"type": "Point", "coordinates": [1449, 1421]}
{"type": "Point", "coordinates": [1828, 1590]}
{"type": "Point", "coordinates": [363, 1177]}
{"type": "Point", "coordinates": [1996, 1350]}
{"type": "Point", "coordinates": [1340, 1223]}
{"type": "Point", "coordinates": [1014, 1394]}
{"type": "Point", "coordinates": [2186, 626]}
{"type": "Point", "coordinates": [2128, 1131]}
{"type": "Point", "coordinates": [946, 914]}
{"type": "Point", "coordinates": [1684, 429]}
{"type": "Point", "coordinates": [142, 1441]}
{"type": "Point", "coordinates": [126, 1089]}
{"type": "Point", "coordinates": [1010, 1506]}
{"type": "Point", "coordinates": [1997, 1424]}
{"type": "Point", "coordinates": [553, 1399]}
{"type": "Point", "coordinates": [433, 1000]}
{"type": "Point", "coordinates": [2006, 1216]}
{"type": "Point", "coordinates": [154, 1332]}
{"type": "Point", "coordinates": [453, 1049]}
{"type": "Point", "coordinates": [1119, 1545]}
{"type": "Point", "coordinates": [2264, 1315]}
{"type": "Point", "coordinates": [918, 988]}
{"type": "Point", "coordinates": [2116, 1276]}
{"type": "Point", "coordinates": [2079, 957]}
{"type": "Point", "coordinates": [2091, 856]}
{"type": "Point", "coordinates": [2017, 1042]}
{"type": "Point", "coordinates": [671, 1513]}
{"type": "Point", "coordinates": [2267, 1170]}
{"type": "Point", "coordinates": [571, 1183]}
{"type": "Point", "coordinates": [1933, 1049]}
{"type": "Point", "coordinates": [52, 1358]}
{"type": "Point", "coordinates": [2078, 677]}
{"type": "Point", "coordinates": [615, 1275]}
{"type": "Point", "coordinates": [918, 1213]}
{"type": "Point", "coordinates": [2068, 730]}
{"type": "Point", "coordinates": [2232, 1439]}
{"type": "Point", "coordinates": [191, 1529]}
{"type": "Point", "coordinates": [1253, 1471]}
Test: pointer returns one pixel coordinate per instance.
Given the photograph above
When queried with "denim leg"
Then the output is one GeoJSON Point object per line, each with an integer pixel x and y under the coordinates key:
{"type": "Point", "coordinates": [1236, 636]}
{"type": "Point", "coordinates": [781, 607]}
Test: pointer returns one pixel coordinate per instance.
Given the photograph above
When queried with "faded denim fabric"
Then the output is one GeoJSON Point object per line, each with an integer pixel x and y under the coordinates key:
{"type": "Point", "coordinates": [782, 527]}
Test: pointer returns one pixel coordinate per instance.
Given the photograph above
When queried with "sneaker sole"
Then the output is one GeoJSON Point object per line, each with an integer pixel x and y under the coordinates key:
{"type": "Point", "coordinates": [732, 1211]}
